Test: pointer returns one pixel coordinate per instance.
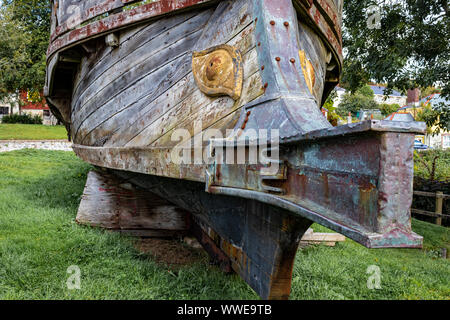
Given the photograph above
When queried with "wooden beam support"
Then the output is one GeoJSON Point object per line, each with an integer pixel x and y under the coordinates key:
{"type": "Point", "coordinates": [111, 203]}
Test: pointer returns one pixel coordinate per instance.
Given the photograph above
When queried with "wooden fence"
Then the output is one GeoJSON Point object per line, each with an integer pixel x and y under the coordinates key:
{"type": "Point", "coordinates": [440, 196]}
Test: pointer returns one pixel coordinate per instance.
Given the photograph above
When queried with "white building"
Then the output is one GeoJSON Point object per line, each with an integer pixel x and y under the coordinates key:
{"type": "Point", "coordinates": [394, 97]}
{"type": "Point", "coordinates": [5, 106]}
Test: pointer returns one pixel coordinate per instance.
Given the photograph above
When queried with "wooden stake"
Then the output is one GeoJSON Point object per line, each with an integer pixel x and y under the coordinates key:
{"type": "Point", "coordinates": [439, 203]}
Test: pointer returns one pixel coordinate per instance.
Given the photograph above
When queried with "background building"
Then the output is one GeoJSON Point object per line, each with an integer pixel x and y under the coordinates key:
{"type": "Point", "coordinates": [380, 97]}
{"type": "Point", "coordinates": [37, 106]}
{"type": "Point", "coordinates": [5, 106]}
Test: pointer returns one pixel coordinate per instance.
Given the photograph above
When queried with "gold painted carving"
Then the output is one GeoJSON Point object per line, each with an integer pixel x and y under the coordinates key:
{"type": "Point", "coordinates": [308, 71]}
{"type": "Point", "coordinates": [218, 71]}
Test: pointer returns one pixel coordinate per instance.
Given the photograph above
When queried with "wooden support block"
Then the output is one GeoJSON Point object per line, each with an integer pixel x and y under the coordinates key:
{"type": "Point", "coordinates": [111, 203]}
{"type": "Point", "coordinates": [328, 239]}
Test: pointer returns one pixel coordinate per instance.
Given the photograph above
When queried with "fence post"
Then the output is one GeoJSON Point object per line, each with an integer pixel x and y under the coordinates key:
{"type": "Point", "coordinates": [439, 202]}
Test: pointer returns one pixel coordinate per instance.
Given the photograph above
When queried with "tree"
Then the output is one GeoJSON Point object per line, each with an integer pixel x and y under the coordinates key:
{"type": "Point", "coordinates": [437, 118]}
{"type": "Point", "coordinates": [14, 58]}
{"type": "Point", "coordinates": [354, 102]}
{"type": "Point", "coordinates": [24, 36]}
{"type": "Point", "coordinates": [403, 43]}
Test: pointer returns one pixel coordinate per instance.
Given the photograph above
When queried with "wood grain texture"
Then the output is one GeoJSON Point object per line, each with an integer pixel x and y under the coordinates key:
{"type": "Point", "coordinates": [129, 79]}
{"type": "Point", "coordinates": [141, 92]}
{"type": "Point", "coordinates": [132, 51]}
{"type": "Point", "coordinates": [112, 203]}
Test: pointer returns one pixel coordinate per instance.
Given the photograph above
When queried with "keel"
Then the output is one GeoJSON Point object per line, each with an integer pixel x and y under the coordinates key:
{"type": "Point", "coordinates": [258, 241]}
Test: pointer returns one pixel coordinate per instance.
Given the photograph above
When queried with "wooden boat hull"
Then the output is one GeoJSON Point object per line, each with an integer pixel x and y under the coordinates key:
{"type": "Point", "coordinates": [132, 86]}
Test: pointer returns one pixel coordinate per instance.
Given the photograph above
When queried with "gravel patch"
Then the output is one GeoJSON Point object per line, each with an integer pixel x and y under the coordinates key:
{"type": "Point", "coordinates": [60, 145]}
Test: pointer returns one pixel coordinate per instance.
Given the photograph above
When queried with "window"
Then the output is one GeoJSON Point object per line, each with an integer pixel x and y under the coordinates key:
{"type": "Point", "coordinates": [46, 113]}
{"type": "Point", "coordinates": [4, 110]}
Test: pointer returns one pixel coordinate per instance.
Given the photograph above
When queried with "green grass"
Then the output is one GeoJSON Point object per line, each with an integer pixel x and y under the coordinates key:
{"type": "Point", "coordinates": [39, 196]}
{"type": "Point", "coordinates": [32, 132]}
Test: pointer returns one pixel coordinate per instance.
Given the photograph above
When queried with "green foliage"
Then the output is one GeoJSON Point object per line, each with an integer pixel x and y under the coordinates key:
{"type": "Point", "coordinates": [22, 118]}
{"type": "Point", "coordinates": [437, 118]}
{"type": "Point", "coordinates": [330, 100]}
{"type": "Point", "coordinates": [432, 164]}
{"type": "Point", "coordinates": [387, 109]}
{"type": "Point", "coordinates": [409, 49]}
{"type": "Point", "coordinates": [333, 117]}
{"type": "Point", "coordinates": [24, 36]}
{"type": "Point", "coordinates": [354, 102]}
{"type": "Point", "coordinates": [366, 91]}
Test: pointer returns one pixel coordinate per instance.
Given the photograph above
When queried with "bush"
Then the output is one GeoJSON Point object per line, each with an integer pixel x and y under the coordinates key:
{"type": "Point", "coordinates": [22, 118]}
{"type": "Point", "coordinates": [432, 165]}
{"type": "Point", "coordinates": [431, 174]}
{"type": "Point", "coordinates": [387, 109]}
{"type": "Point", "coordinates": [362, 99]}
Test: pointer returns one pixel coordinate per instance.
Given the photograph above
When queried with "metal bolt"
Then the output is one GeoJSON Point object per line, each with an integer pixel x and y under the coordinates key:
{"type": "Point", "coordinates": [266, 85]}
{"type": "Point", "coordinates": [286, 24]}
{"type": "Point", "coordinates": [278, 58]}
{"type": "Point", "coordinates": [272, 22]}
{"type": "Point", "coordinates": [262, 68]}
{"type": "Point", "coordinates": [259, 44]}
{"type": "Point", "coordinates": [292, 60]}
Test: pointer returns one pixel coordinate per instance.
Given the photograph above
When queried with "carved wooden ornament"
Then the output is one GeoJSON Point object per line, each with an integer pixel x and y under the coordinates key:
{"type": "Point", "coordinates": [308, 71]}
{"type": "Point", "coordinates": [218, 71]}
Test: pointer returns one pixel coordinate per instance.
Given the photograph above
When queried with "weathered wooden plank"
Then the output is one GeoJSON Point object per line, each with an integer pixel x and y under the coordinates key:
{"type": "Point", "coordinates": [132, 49]}
{"type": "Point", "coordinates": [317, 54]}
{"type": "Point", "coordinates": [121, 20]}
{"type": "Point", "coordinates": [151, 111]}
{"type": "Point", "coordinates": [214, 111]}
{"type": "Point", "coordinates": [97, 58]}
{"type": "Point", "coordinates": [229, 19]}
{"type": "Point", "coordinates": [125, 117]}
{"type": "Point", "coordinates": [140, 60]}
{"type": "Point", "coordinates": [318, 237]}
{"type": "Point", "coordinates": [197, 107]}
{"type": "Point", "coordinates": [72, 13]}
{"type": "Point", "coordinates": [112, 203]}
{"type": "Point", "coordinates": [208, 114]}
{"type": "Point", "coordinates": [102, 122]}
{"type": "Point", "coordinates": [130, 86]}
{"type": "Point", "coordinates": [145, 110]}
{"type": "Point", "coordinates": [191, 104]}
{"type": "Point", "coordinates": [430, 214]}
{"type": "Point", "coordinates": [431, 194]}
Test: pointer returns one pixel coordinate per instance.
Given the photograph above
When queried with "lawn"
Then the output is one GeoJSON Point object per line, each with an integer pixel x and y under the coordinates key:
{"type": "Point", "coordinates": [39, 240]}
{"type": "Point", "coordinates": [32, 132]}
